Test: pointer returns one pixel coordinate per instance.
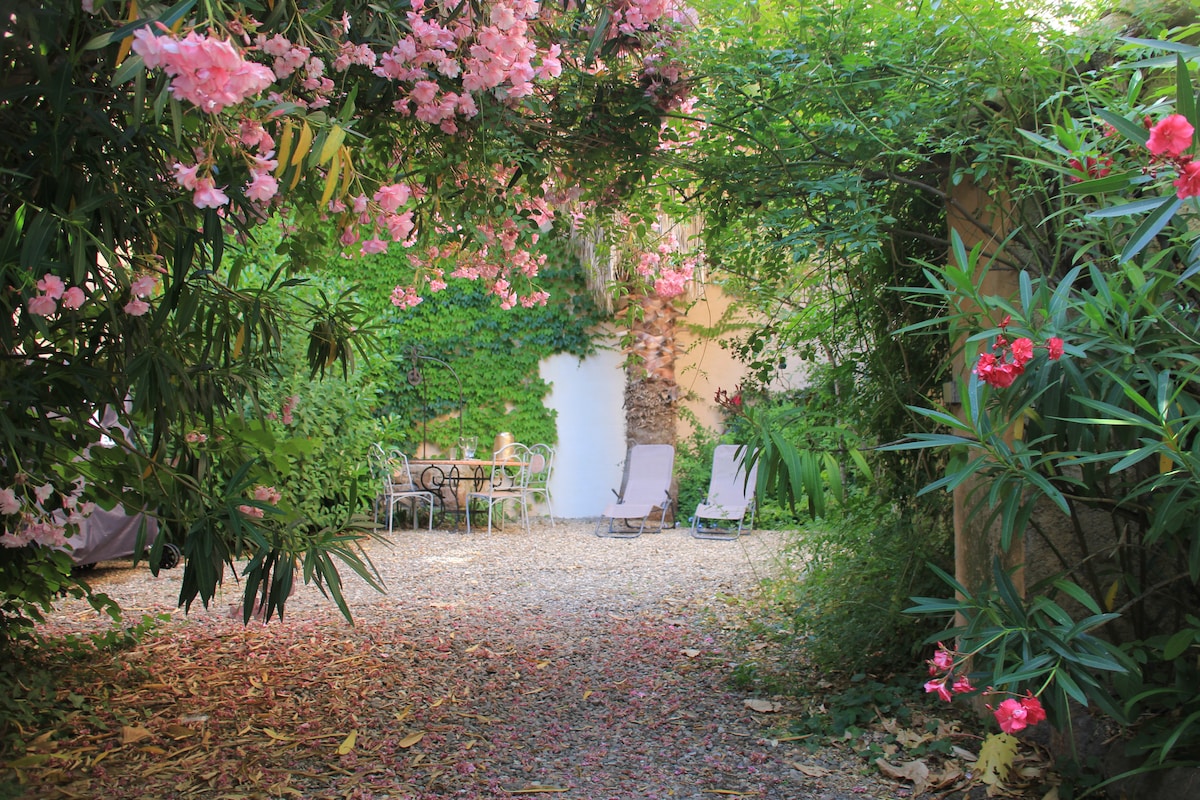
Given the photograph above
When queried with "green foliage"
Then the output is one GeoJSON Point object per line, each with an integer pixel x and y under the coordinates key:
{"type": "Point", "coordinates": [32, 698]}
{"type": "Point", "coordinates": [1034, 644]}
{"type": "Point", "coordinates": [34, 577]}
{"type": "Point", "coordinates": [1106, 434]}
{"type": "Point", "coordinates": [846, 584]}
{"type": "Point", "coordinates": [493, 352]}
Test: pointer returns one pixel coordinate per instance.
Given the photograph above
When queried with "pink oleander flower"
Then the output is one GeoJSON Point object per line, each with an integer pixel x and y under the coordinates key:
{"type": "Point", "coordinates": [251, 511]}
{"type": "Point", "coordinates": [43, 305]}
{"type": "Point", "coordinates": [1170, 136]}
{"type": "Point", "coordinates": [144, 285]}
{"type": "Point", "coordinates": [136, 307]}
{"type": "Point", "coordinates": [1011, 716]}
{"type": "Point", "coordinates": [52, 286]}
{"type": "Point", "coordinates": [267, 494]}
{"type": "Point", "coordinates": [372, 246]}
{"type": "Point", "coordinates": [207, 195]}
{"type": "Point", "coordinates": [1054, 348]}
{"type": "Point", "coordinates": [262, 187]}
{"type": "Point", "coordinates": [1188, 183]}
{"type": "Point", "coordinates": [9, 503]}
{"type": "Point", "coordinates": [1022, 351]}
{"type": "Point", "coordinates": [74, 298]}
{"type": "Point", "coordinates": [938, 685]}
{"type": "Point", "coordinates": [391, 197]}
{"type": "Point", "coordinates": [962, 685]}
{"type": "Point", "coordinates": [207, 72]}
{"type": "Point", "coordinates": [942, 661]}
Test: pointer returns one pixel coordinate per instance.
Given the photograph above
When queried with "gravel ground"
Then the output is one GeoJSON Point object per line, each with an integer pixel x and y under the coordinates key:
{"type": "Point", "coordinates": [580, 666]}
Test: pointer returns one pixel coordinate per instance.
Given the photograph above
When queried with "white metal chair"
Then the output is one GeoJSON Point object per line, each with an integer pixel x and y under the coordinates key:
{"type": "Point", "coordinates": [645, 486]}
{"type": "Point", "coordinates": [512, 468]}
{"type": "Point", "coordinates": [539, 480]}
{"type": "Point", "coordinates": [730, 495]}
{"type": "Point", "coordinates": [392, 475]}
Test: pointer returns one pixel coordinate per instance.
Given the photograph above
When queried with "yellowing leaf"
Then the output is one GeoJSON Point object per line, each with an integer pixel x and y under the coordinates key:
{"type": "Point", "coordinates": [284, 148]}
{"type": "Point", "coordinates": [347, 170]}
{"type": "Point", "coordinates": [331, 179]}
{"type": "Point", "coordinates": [127, 42]}
{"type": "Point", "coordinates": [179, 731]}
{"type": "Point", "coordinates": [411, 739]}
{"type": "Point", "coordinates": [333, 142]}
{"type": "Point", "coordinates": [996, 758]}
{"type": "Point", "coordinates": [1110, 597]}
{"type": "Point", "coordinates": [303, 144]}
{"type": "Point", "coordinates": [691, 653]}
{"type": "Point", "coordinates": [347, 744]}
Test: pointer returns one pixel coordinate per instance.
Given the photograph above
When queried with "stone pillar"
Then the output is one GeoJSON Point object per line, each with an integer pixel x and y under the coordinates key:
{"type": "Point", "coordinates": [975, 543]}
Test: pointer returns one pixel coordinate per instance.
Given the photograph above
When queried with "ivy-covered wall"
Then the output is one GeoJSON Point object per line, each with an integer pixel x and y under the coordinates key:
{"type": "Point", "coordinates": [494, 352]}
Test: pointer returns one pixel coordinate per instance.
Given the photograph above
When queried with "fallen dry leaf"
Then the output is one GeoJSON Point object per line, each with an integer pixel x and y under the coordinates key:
{"type": "Point", "coordinates": [129, 735]}
{"type": "Point", "coordinates": [762, 706]}
{"type": "Point", "coordinates": [916, 772]}
{"type": "Point", "coordinates": [411, 739]}
{"type": "Point", "coordinates": [690, 653]}
{"type": "Point", "coordinates": [811, 770]}
{"type": "Point", "coordinates": [348, 743]}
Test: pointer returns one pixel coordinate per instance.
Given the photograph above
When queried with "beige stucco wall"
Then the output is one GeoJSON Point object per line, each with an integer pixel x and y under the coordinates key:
{"type": "Point", "coordinates": [703, 366]}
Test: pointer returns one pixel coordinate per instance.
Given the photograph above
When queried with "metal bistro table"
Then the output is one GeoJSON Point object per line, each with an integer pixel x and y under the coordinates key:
{"type": "Point", "coordinates": [451, 479]}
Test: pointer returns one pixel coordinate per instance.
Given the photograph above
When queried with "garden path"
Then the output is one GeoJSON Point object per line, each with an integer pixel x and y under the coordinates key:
{"type": "Point", "coordinates": [497, 666]}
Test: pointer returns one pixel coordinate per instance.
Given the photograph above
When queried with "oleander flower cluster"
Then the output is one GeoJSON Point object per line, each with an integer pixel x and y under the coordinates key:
{"type": "Point", "coordinates": [255, 90]}
{"type": "Point", "coordinates": [1006, 359]}
{"type": "Point", "coordinates": [667, 267]}
{"type": "Point", "coordinates": [263, 494]}
{"type": "Point", "coordinates": [30, 518]}
{"type": "Point", "coordinates": [1169, 140]}
{"type": "Point", "coordinates": [947, 680]}
{"type": "Point", "coordinates": [53, 293]}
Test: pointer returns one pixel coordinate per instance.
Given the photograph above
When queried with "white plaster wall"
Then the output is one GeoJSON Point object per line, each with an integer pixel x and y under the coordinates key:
{"type": "Point", "coordinates": [588, 396]}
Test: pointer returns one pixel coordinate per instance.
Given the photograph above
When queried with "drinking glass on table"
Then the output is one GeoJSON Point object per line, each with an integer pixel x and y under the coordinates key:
{"type": "Point", "coordinates": [468, 444]}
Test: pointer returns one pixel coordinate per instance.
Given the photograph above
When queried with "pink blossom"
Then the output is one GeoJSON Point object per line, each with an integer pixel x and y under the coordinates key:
{"type": "Point", "coordinates": [962, 685]}
{"type": "Point", "coordinates": [372, 246]}
{"type": "Point", "coordinates": [1170, 136]}
{"type": "Point", "coordinates": [267, 494]}
{"type": "Point", "coordinates": [74, 298]}
{"type": "Point", "coordinates": [938, 686]}
{"type": "Point", "coordinates": [136, 307]}
{"type": "Point", "coordinates": [207, 72]}
{"type": "Point", "coordinates": [1188, 183]}
{"type": "Point", "coordinates": [1012, 716]}
{"type": "Point", "coordinates": [185, 176]}
{"type": "Point", "coordinates": [943, 659]}
{"type": "Point", "coordinates": [1022, 351]}
{"type": "Point", "coordinates": [262, 187]}
{"type": "Point", "coordinates": [251, 511]}
{"type": "Point", "coordinates": [9, 504]}
{"type": "Point", "coordinates": [1034, 713]}
{"type": "Point", "coordinates": [43, 305]}
{"type": "Point", "coordinates": [51, 286]}
{"type": "Point", "coordinates": [43, 492]}
{"type": "Point", "coordinates": [392, 196]}
{"type": "Point", "coordinates": [1054, 348]}
{"type": "Point", "coordinates": [207, 195]}
{"type": "Point", "coordinates": [144, 285]}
